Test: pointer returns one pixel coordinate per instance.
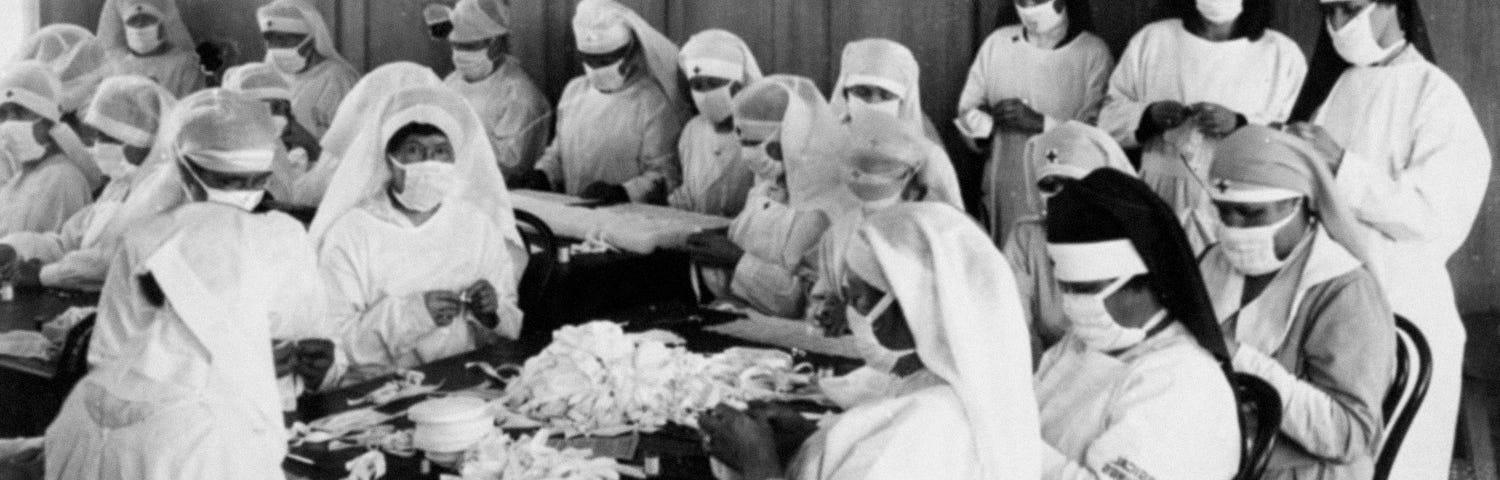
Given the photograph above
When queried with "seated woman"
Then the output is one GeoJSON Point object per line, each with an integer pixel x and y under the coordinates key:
{"type": "Point", "coordinates": [1137, 388]}
{"type": "Point", "coordinates": [79, 61]}
{"type": "Point", "coordinates": [263, 82]}
{"type": "Point", "coordinates": [717, 65]}
{"type": "Point", "coordinates": [148, 38]}
{"type": "Point", "coordinates": [1301, 310]}
{"type": "Point", "coordinates": [417, 239]}
{"type": "Point", "coordinates": [927, 289]}
{"type": "Point", "coordinates": [45, 186]}
{"type": "Point", "coordinates": [126, 114]}
{"type": "Point", "coordinates": [766, 258]}
{"type": "Point", "coordinates": [1069, 150]}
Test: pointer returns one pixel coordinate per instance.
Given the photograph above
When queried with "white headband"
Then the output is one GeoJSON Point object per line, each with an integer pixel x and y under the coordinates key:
{"type": "Point", "coordinates": [285, 24]}
{"type": "Point", "coordinates": [268, 93]}
{"type": "Point", "coordinates": [757, 128]}
{"type": "Point", "coordinates": [1063, 170]}
{"type": "Point", "coordinates": [1239, 192]}
{"type": "Point", "coordinates": [233, 161]}
{"type": "Point", "coordinates": [893, 86]}
{"type": "Point", "coordinates": [713, 67]}
{"type": "Point", "coordinates": [41, 105]}
{"type": "Point", "coordinates": [1092, 262]}
{"type": "Point", "coordinates": [124, 132]}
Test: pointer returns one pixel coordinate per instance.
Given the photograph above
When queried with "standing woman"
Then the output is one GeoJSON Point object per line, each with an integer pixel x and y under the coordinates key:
{"type": "Point", "coordinates": [1041, 68]}
{"type": "Point", "coordinates": [1412, 162]}
{"type": "Point", "coordinates": [1183, 83]}
{"type": "Point", "coordinates": [148, 38]}
{"type": "Point", "coordinates": [299, 44]}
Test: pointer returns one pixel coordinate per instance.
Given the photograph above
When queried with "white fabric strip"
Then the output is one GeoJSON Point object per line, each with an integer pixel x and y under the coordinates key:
{"type": "Point", "coordinates": [1092, 262]}
{"type": "Point", "coordinates": [285, 24]}
{"type": "Point", "coordinates": [124, 132]}
{"type": "Point", "coordinates": [36, 103]}
{"type": "Point", "coordinates": [233, 161]}
{"type": "Point", "coordinates": [268, 93]}
{"type": "Point", "coordinates": [1246, 193]}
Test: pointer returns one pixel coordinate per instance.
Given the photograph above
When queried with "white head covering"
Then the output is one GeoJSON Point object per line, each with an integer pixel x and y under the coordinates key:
{"type": "Point", "coordinates": [364, 171]}
{"type": "Point", "coordinates": [259, 81]}
{"type": "Point", "coordinates": [960, 303]}
{"type": "Point", "coordinates": [886, 137]}
{"type": "Point", "coordinates": [719, 53]}
{"type": "Point", "coordinates": [475, 20]}
{"type": "Point", "coordinates": [298, 16]}
{"type": "Point", "coordinates": [129, 108]}
{"type": "Point", "coordinates": [112, 23]}
{"type": "Point", "coordinates": [354, 113]}
{"type": "Point", "coordinates": [793, 106]}
{"type": "Point", "coordinates": [213, 265]}
{"type": "Point", "coordinates": [1073, 149]}
{"type": "Point", "coordinates": [74, 55]}
{"type": "Point", "coordinates": [885, 64]}
{"type": "Point", "coordinates": [33, 85]}
{"type": "Point", "coordinates": [603, 26]}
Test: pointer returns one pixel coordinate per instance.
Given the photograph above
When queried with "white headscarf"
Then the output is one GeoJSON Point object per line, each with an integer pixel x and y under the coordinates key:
{"type": "Point", "coordinates": [260, 81]}
{"type": "Point", "coordinates": [960, 303]}
{"type": "Point", "coordinates": [354, 113]}
{"type": "Point", "coordinates": [797, 109]}
{"type": "Point", "coordinates": [886, 64]}
{"type": "Point", "coordinates": [364, 171]}
{"type": "Point", "coordinates": [719, 53]}
{"type": "Point", "coordinates": [74, 55]}
{"type": "Point", "coordinates": [602, 18]}
{"type": "Point", "coordinates": [112, 24]}
{"type": "Point", "coordinates": [33, 85]}
{"type": "Point", "coordinates": [298, 16]}
{"type": "Point", "coordinates": [883, 136]}
{"type": "Point", "coordinates": [475, 20]}
{"type": "Point", "coordinates": [130, 109]}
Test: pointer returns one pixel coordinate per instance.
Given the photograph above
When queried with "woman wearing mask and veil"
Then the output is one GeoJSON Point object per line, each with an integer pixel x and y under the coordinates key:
{"type": "Point", "coordinates": [80, 63]}
{"type": "Point", "coordinates": [417, 238]}
{"type": "Point", "coordinates": [148, 38]}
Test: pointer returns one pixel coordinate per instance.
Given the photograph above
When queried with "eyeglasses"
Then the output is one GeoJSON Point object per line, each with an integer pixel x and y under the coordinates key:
{"type": "Point", "coordinates": [416, 152]}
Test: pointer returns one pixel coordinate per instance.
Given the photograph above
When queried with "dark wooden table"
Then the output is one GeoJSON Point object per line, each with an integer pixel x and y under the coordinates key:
{"type": "Point", "coordinates": [29, 398]}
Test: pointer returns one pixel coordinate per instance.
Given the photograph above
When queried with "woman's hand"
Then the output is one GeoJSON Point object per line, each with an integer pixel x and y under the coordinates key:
{"type": "Point", "coordinates": [743, 442]}
{"type": "Point", "coordinates": [790, 427]}
{"type": "Point", "coordinates": [443, 306]}
{"type": "Point", "coordinates": [1216, 120]}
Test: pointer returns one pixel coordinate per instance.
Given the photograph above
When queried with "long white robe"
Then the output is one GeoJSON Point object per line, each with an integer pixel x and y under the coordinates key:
{"type": "Point", "coordinates": [78, 255]}
{"type": "Point", "coordinates": [317, 91]}
{"type": "Point", "coordinates": [1066, 83]}
{"type": "Point", "coordinates": [1258, 79]}
{"type": "Point", "coordinates": [515, 114]}
{"type": "Point", "coordinates": [378, 266]}
{"type": "Point", "coordinates": [714, 180]}
{"type": "Point", "coordinates": [628, 138]}
{"type": "Point", "coordinates": [1415, 172]}
{"type": "Point", "coordinates": [776, 272]}
{"type": "Point", "coordinates": [910, 435]}
{"type": "Point", "coordinates": [42, 196]}
{"type": "Point", "coordinates": [176, 70]}
{"type": "Point", "coordinates": [1161, 410]}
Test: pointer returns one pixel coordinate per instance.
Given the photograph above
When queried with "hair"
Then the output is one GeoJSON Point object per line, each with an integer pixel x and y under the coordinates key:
{"type": "Point", "coordinates": [1326, 66]}
{"type": "Point", "coordinates": [414, 129]}
{"type": "Point", "coordinates": [1080, 18]}
{"type": "Point", "coordinates": [1252, 23]}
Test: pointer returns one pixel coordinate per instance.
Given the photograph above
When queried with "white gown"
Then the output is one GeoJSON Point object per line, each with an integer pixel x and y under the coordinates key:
{"type": "Point", "coordinates": [43, 197]}
{"type": "Point", "coordinates": [1164, 61]}
{"type": "Point", "coordinates": [1161, 410]}
{"type": "Point", "coordinates": [378, 266]}
{"type": "Point", "coordinates": [628, 138]}
{"type": "Point", "coordinates": [317, 91]}
{"type": "Point", "coordinates": [177, 70]}
{"type": "Point", "coordinates": [78, 255]}
{"type": "Point", "coordinates": [1415, 174]}
{"type": "Point", "coordinates": [714, 180]}
{"type": "Point", "coordinates": [1066, 83]}
{"type": "Point", "coordinates": [515, 114]}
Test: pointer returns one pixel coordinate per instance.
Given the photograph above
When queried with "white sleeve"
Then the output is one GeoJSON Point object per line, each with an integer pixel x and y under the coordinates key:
{"type": "Point", "coordinates": [1125, 102]}
{"type": "Point", "coordinates": [1291, 70]}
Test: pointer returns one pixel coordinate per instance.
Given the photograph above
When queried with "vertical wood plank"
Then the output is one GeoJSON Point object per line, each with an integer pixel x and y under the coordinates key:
{"type": "Point", "coordinates": [938, 32]}
{"type": "Point", "coordinates": [353, 27]}
{"type": "Point", "coordinates": [800, 45]}
{"type": "Point", "coordinates": [753, 21]}
{"type": "Point", "coordinates": [399, 33]}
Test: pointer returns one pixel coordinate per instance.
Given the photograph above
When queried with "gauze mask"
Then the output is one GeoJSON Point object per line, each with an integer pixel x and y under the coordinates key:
{"type": "Point", "coordinates": [1221, 11]}
{"type": "Point", "coordinates": [1252, 250]}
{"type": "Point", "coordinates": [716, 104]}
{"type": "Point", "coordinates": [289, 60]}
{"type": "Point", "coordinates": [1090, 321]}
{"type": "Point", "coordinates": [143, 40]}
{"type": "Point", "coordinates": [426, 184]}
{"type": "Point", "coordinates": [875, 355]}
{"type": "Point", "coordinates": [473, 64]}
{"type": "Point", "coordinates": [1356, 41]}
{"type": "Point", "coordinates": [111, 160]}
{"type": "Point", "coordinates": [19, 140]}
{"type": "Point", "coordinates": [608, 78]}
{"type": "Point", "coordinates": [1040, 18]}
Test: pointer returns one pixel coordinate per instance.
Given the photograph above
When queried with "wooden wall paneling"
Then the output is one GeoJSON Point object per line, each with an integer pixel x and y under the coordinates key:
{"type": "Point", "coordinates": [1301, 20]}
{"type": "Point", "coordinates": [353, 30]}
{"type": "Point", "coordinates": [84, 13]}
{"type": "Point", "coordinates": [800, 42]}
{"type": "Point", "coordinates": [560, 59]}
{"type": "Point", "coordinates": [528, 36]}
{"type": "Point", "coordinates": [753, 21]}
{"type": "Point", "coordinates": [1464, 36]}
{"type": "Point", "coordinates": [398, 33]}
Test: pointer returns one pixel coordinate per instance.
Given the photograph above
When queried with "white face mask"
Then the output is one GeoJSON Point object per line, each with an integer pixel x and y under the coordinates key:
{"type": "Point", "coordinates": [281, 122]}
{"type": "Point", "coordinates": [858, 107]}
{"type": "Point", "coordinates": [245, 200]}
{"type": "Point", "coordinates": [111, 160]}
{"type": "Point", "coordinates": [1090, 321]}
{"type": "Point", "coordinates": [18, 138]}
{"type": "Point", "coordinates": [1252, 250]}
{"type": "Point", "coordinates": [760, 161]}
{"type": "Point", "coordinates": [1040, 18]}
{"type": "Point", "coordinates": [426, 184]}
{"type": "Point", "coordinates": [143, 40]}
{"type": "Point", "coordinates": [716, 104]}
{"type": "Point", "coordinates": [289, 60]}
{"type": "Point", "coordinates": [1221, 11]}
{"type": "Point", "coordinates": [875, 355]}
{"type": "Point", "coordinates": [474, 65]}
{"type": "Point", "coordinates": [877, 191]}
{"type": "Point", "coordinates": [608, 78]}
{"type": "Point", "coordinates": [1356, 41]}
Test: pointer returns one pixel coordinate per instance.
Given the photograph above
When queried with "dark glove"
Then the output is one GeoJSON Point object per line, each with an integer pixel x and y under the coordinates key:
{"type": "Point", "coordinates": [484, 301]}
{"type": "Point", "coordinates": [314, 359]}
{"type": "Point", "coordinates": [284, 356]}
{"type": "Point", "coordinates": [28, 273]}
{"type": "Point", "coordinates": [606, 192]}
{"type": "Point", "coordinates": [534, 180]}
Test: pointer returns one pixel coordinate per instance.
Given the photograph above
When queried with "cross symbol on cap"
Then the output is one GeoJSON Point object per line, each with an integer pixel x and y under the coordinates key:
{"type": "Point", "coordinates": [1052, 156]}
{"type": "Point", "coordinates": [1222, 185]}
{"type": "Point", "coordinates": [697, 70]}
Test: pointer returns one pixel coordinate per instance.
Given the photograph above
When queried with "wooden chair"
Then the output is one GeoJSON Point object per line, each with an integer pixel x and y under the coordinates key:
{"type": "Point", "coordinates": [1260, 422]}
{"type": "Point", "coordinates": [1413, 374]}
{"type": "Point", "coordinates": [542, 245]}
